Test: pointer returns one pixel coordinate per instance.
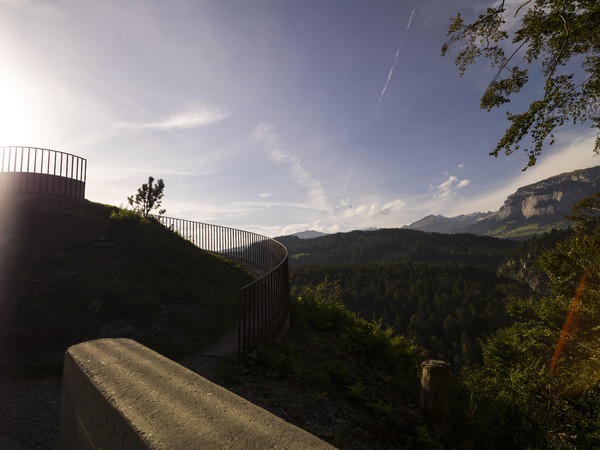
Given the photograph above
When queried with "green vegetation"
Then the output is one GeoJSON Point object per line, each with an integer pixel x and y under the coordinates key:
{"type": "Point", "coordinates": [397, 245]}
{"type": "Point", "coordinates": [298, 256]}
{"type": "Point", "coordinates": [525, 231]}
{"type": "Point", "coordinates": [531, 380]}
{"type": "Point", "coordinates": [73, 270]}
{"type": "Point", "coordinates": [538, 384]}
{"type": "Point", "coordinates": [560, 39]}
{"type": "Point", "coordinates": [148, 197]}
{"type": "Point", "coordinates": [351, 381]}
{"type": "Point", "coordinates": [446, 307]}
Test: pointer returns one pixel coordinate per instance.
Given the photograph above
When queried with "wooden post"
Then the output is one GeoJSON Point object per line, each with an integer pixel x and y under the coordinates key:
{"type": "Point", "coordinates": [434, 392]}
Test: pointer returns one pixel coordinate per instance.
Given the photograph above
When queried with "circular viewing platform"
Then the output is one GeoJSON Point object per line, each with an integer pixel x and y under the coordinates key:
{"type": "Point", "coordinates": [41, 171]}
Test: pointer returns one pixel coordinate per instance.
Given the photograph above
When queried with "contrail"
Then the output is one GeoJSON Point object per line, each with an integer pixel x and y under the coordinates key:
{"type": "Point", "coordinates": [390, 74]}
{"type": "Point", "coordinates": [349, 173]}
{"type": "Point", "coordinates": [412, 13]}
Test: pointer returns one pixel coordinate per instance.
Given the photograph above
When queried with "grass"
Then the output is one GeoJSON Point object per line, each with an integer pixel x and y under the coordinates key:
{"type": "Point", "coordinates": [522, 232]}
{"type": "Point", "coordinates": [350, 381]}
{"type": "Point", "coordinates": [73, 270]}
{"type": "Point", "coordinates": [299, 256]}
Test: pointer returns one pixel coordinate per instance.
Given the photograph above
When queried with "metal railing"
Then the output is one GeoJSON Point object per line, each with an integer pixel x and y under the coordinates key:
{"type": "Point", "coordinates": [42, 171]}
{"type": "Point", "coordinates": [264, 307]}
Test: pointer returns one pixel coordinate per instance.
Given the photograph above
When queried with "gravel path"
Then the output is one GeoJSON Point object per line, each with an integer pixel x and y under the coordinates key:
{"type": "Point", "coordinates": [29, 413]}
{"type": "Point", "coordinates": [30, 409]}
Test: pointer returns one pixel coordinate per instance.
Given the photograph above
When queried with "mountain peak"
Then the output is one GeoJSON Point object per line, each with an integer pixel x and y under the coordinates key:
{"type": "Point", "coordinates": [309, 234]}
{"type": "Point", "coordinates": [532, 209]}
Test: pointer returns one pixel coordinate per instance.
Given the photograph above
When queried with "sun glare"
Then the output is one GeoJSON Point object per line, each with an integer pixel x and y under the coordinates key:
{"type": "Point", "coordinates": [15, 121]}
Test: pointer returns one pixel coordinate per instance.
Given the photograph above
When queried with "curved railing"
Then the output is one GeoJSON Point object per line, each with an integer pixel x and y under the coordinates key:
{"type": "Point", "coordinates": [32, 170]}
{"type": "Point", "coordinates": [264, 308]}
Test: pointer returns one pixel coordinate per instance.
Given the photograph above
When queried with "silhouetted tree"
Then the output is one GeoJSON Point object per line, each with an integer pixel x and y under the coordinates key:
{"type": "Point", "coordinates": [148, 197]}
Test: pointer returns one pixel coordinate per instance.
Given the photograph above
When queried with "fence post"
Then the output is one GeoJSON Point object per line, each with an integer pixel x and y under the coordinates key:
{"type": "Point", "coordinates": [434, 393]}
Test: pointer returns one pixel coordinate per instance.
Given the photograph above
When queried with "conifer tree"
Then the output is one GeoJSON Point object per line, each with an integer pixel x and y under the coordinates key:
{"type": "Point", "coordinates": [148, 197]}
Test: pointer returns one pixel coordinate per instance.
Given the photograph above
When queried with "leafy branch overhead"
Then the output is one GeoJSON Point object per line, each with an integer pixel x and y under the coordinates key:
{"type": "Point", "coordinates": [559, 37]}
{"type": "Point", "coordinates": [148, 197]}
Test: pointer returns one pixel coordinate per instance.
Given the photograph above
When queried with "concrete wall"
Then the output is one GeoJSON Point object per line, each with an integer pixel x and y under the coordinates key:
{"type": "Point", "coordinates": [120, 394]}
{"type": "Point", "coordinates": [41, 183]}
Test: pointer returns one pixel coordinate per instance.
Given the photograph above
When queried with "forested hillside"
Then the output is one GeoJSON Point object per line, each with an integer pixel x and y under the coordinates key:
{"type": "Point", "coordinates": [446, 307]}
{"type": "Point", "coordinates": [397, 245]}
{"type": "Point", "coordinates": [521, 262]}
{"type": "Point", "coordinates": [442, 290]}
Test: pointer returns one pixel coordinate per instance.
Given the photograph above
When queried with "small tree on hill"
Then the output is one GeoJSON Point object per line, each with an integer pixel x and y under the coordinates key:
{"type": "Point", "coordinates": [148, 197]}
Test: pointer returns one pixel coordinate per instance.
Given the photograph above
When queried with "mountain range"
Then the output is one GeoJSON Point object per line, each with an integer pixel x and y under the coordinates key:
{"type": "Point", "coordinates": [531, 210]}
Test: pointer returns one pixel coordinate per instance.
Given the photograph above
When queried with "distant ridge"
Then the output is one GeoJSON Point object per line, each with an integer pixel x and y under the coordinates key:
{"type": "Point", "coordinates": [309, 234]}
{"type": "Point", "coordinates": [443, 224]}
{"type": "Point", "coordinates": [531, 210]}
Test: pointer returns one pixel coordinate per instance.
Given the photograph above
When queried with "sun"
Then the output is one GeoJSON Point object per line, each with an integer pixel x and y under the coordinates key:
{"type": "Point", "coordinates": [15, 119]}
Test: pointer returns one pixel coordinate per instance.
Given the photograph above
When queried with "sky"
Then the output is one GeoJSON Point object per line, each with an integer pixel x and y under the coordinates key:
{"type": "Point", "coordinates": [272, 116]}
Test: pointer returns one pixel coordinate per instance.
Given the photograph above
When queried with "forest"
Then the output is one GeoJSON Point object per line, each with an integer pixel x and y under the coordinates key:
{"type": "Point", "coordinates": [522, 337]}
{"type": "Point", "coordinates": [447, 308]}
{"type": "Point", "coordinates": [397, 245]}
{"type": "Point", "coordinates": [447, 297]}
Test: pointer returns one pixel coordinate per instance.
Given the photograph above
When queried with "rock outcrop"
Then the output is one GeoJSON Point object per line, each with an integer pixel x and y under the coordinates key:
{"type": "Point", "coordinates": [531, 210]}
{"type": "Point", "coordinates": [551, 197]}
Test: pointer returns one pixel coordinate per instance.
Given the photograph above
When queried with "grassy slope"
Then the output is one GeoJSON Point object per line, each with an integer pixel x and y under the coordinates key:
{"type": "Point", "coordinates": [73, 270]}
{"type": "Point", "coordinates": [347, 380]}
{"type": "Point", "coordinates": [521, 232]}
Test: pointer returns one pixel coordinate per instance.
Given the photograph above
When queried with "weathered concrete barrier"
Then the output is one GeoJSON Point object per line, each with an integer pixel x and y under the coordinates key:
{"type": "Point", "coordinates": [119, 394]}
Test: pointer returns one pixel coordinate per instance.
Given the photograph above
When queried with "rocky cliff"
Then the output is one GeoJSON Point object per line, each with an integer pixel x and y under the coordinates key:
{"type": "Point", "coordinates": [552, 196]}
{"type": "Point", "coordinates": [531, 210]}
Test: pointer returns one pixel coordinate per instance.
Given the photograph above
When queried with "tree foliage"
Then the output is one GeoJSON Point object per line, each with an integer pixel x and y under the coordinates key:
{"type": "Point", "coordinates": [446, 308]}
{"type": "Point", "coordinates": [561, 38]}
{"type": "Point", "coordinates": [538, 386]}
{"type": "Point", "coordinates": [396, 244]}
{"type": "Point", "coordinates": [148, 197]}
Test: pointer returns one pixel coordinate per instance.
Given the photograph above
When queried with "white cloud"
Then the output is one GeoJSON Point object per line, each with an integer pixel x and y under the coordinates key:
{"type": "Point", "coordinates": [36, 7]}
{"type": "Point", "coordinates": [446, 188]}
{"type": "Point", "coordinates": [265, 195]}
{"type": "Point", "coordinates": [373, 209]}
{"type": "Point", "coordinates": [344, 203]}
{"type": "Point", "coordinates": [298, 227]}
{"type": "Point", "coordinates": [264, 134]}
{"type": "Point", "coordinates": [194, 118]}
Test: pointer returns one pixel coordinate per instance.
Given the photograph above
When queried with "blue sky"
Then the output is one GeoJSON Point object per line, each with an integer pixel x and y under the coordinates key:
{"type": "Point", "coordinates": [274, 116]}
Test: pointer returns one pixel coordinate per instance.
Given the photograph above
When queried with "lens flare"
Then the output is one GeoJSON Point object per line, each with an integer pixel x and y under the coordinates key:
{"type": "Point", "coordinates": [576, 364]}
{"type": "Point", "coordinates": [570, 325]}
